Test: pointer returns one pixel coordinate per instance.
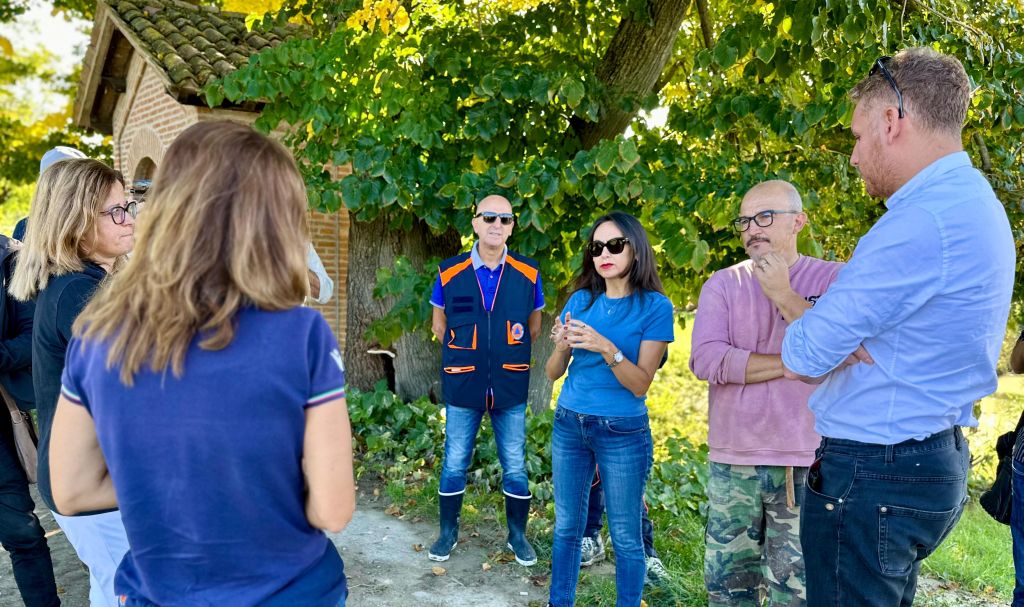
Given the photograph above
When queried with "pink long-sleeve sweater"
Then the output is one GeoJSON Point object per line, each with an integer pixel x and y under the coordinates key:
{"type": "Point", "coordinates": [765, 423]}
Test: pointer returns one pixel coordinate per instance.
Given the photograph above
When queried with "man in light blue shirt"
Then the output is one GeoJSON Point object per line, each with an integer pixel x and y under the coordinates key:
{"type": "Point", "coordinates": [903, 342]}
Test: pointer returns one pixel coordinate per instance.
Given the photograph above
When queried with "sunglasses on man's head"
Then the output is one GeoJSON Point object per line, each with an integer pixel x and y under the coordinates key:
{"type": "Point", "coordinates": [879, 67]}
{"type": "Point", "coordinates": [615, 246]}
{"type": "Point", "coordinates": [490, 216]}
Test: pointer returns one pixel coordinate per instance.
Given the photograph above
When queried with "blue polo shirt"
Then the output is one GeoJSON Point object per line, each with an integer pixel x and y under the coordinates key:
{"type": "Point", "coordinates": [488, 280]}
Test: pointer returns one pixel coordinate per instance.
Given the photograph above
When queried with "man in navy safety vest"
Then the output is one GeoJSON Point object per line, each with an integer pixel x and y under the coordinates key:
{"type": "Point", "coordinates": [487, 305]}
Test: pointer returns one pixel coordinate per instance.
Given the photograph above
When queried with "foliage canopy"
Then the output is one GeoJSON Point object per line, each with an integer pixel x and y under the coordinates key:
{"type": "Point", "coordinates": [437, 102]}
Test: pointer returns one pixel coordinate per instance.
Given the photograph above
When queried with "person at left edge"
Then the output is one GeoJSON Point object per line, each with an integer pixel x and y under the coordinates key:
{"type": "Point", "coordinates": [487, 305]}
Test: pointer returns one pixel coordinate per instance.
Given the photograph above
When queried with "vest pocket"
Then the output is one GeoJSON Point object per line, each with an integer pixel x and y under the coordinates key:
{"type": "Point", "coordinates": [462, 337]}
{"type": "Point", "coordinates": [513, 367]}
{"type": "Point", "coordinates": [458, 370]}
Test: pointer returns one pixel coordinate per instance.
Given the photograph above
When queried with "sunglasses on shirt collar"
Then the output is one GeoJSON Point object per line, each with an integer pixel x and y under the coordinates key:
{"type": "Point", "coordinates": [490, 216]}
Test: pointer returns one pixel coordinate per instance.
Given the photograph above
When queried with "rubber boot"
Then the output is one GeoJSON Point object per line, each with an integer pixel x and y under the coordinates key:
{"type": "Point", "coordinates": [517, 510]}
{"type": "Point", "coordinates": [450, 506]}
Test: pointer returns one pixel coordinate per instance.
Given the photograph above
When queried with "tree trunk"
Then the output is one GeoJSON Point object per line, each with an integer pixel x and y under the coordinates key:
{"type": "Point", "coordinates": [539, 397]}
{"type": "Point", "coordinates": [418, 361]}
{"type": "Point", "coordinates": [540, 386]}
{"type": "Point", "coordinates": [375, 244]}
{"type": "Point", "coordinates": [631, 66]}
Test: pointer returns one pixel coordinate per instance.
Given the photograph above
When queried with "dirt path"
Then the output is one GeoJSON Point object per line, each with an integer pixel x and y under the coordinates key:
{"type": "Point", "coordinates": [387, 566]}
{"type": "Point", "coordinates": [382, 564]}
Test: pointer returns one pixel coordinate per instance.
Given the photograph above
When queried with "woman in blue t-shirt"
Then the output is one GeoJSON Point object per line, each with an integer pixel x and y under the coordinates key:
{"type": "Point", "coordinates": [201, 397]}
{"type": "Point", "coordinates": [615, 330]}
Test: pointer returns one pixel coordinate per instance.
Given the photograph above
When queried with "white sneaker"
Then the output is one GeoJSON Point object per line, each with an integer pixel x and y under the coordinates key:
{"type": "Point", "coordinates": [656, 571]}
{"type": "Point", "coordinates": [592, 551]}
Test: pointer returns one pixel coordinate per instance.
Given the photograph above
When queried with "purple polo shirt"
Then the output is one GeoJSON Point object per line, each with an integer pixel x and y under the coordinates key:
{"type": "Point", "coordinates": [488, 280]}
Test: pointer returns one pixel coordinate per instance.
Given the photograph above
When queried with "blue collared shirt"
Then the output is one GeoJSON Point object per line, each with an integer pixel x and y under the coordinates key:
{"type": "Point", "coordinates": [488, 280]}
{"type": "Point", "coordinates": [927, 292]}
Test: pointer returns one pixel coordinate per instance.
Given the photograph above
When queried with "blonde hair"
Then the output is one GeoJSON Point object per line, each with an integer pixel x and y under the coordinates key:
{"type": "Point", "coordinates": [224, 227]}
{"type": "Point", "coordinates": [62, 217]}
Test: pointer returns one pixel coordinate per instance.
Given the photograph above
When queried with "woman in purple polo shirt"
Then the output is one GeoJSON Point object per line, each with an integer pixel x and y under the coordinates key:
{"type": "Point", "coordinates": [203, 399]}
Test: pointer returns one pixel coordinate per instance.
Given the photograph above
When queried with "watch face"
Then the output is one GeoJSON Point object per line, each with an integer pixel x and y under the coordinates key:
{"type": "Point", "coordinates": [617, 357]}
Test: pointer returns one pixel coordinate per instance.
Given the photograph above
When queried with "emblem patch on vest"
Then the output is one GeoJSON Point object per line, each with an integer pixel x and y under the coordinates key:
{"type": "Point", "coordinates": [517, 331]}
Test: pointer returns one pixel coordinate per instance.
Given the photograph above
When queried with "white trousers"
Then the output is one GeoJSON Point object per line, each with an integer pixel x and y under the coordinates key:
{"type": "Point", "coordinates": [101, 543]}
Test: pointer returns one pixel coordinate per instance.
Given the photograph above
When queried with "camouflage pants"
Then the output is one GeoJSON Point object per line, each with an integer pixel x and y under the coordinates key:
{"type": "Point", "coordinates": [752, 555]}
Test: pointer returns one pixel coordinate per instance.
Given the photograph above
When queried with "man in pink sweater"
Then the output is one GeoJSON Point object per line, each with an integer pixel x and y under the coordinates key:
{"type": "Point", "coordinates": [760, 431]}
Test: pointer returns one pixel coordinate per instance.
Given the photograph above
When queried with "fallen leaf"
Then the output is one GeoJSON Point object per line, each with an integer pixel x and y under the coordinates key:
{"type": "Point", "coordinates": [474, 534]}
{"type": "Point", "coordinates": [539, 580]}
{"type": "Point", "coordinates": [643, 603]}
{"type": "Point", "coordinates": [410, 502]}
{"type": "Point", "coordinates": [417, 547]}
{"type": "Point", "coordinates": [376, 492]}
{"type": "Point", "coordinates": [485, 566]}
{"type": "Point", "coordinates": [505, 557]}
{"type": "Point", "coordinates": [393, 510]}
{"type": "Point", "coordinates": [438, 571]}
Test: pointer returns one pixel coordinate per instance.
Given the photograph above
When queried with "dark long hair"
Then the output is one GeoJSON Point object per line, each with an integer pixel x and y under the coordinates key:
{"type": "Point", "coordinates": [643, 272]}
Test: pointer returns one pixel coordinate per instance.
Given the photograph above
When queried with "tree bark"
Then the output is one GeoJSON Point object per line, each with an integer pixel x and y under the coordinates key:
{"type": "Point", "coordinates": [539, 398]}
{"type": "Point", "coordinates": [631, 66]}
{"type": "Point", "coordinates": [418, 360]}
{"type": "Point", "coordinates": [414, 369]}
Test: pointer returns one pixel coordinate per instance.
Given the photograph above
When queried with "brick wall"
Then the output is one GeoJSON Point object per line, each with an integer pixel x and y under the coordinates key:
{"type": "Point", "coordinates": [147, 120]}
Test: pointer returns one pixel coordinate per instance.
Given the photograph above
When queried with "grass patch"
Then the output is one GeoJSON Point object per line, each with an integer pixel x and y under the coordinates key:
{"type": "Point", "coordinates": [977, 555]}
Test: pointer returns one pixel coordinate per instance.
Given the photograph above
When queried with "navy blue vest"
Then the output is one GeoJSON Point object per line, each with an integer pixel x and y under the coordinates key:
{"type": "Point", "coordinates": [485, 355]}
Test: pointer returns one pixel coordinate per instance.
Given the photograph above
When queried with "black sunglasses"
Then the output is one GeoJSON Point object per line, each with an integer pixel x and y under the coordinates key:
{"type": "Point", "coordinates": [615, 246]}
{"type": "Point", "coordinates": [490, 216]}
{"type": "Point", "coordinates": [879, 66]}
{"type": "Point", "coordinates": [117, 214]}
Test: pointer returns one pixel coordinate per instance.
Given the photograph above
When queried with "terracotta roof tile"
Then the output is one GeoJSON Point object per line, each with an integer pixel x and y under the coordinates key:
{"type": "Point", "coordinates": [194, 45]}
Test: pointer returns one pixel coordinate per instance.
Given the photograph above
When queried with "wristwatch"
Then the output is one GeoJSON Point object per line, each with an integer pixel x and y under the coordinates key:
{"type": "Point", "coordinates": [616, 359]}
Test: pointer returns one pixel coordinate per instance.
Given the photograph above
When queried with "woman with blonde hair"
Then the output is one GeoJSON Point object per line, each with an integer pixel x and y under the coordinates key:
{"type": "Point", "coordinates": [201, 397]}
{"type": "Point", "coordinates": [80, 228]}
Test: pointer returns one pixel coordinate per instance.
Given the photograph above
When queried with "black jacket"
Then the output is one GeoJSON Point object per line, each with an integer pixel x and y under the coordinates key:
{"type": "Point", "coordinates": [15, 336]}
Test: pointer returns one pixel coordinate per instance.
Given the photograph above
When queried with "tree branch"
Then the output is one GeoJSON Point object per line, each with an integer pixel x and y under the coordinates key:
{"type": "Point", "coordinates": [630, 68]}
{"type": "Point", "coordinates": [705, 23]}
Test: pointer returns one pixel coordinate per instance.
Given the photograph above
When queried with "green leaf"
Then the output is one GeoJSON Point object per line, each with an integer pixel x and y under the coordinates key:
{"type": "Point", "coordinates": [449, 189]}
{"type": "Point", "coordinates": [725, 56]}
{"type": "Point", "coordinates": [700, 255]}
{"type": "Point", "coordinates": [766, 52]}
{"type": "Point", "coordinates": [527, 184]}
{"type": "Point", "coordinates": [506, 176]}
{"type": "Point", "coordinates": [605, 159]}
{"type": "Point", "coordinates": [628, 154]}
{"type": "Point", "coordinates": [573, 91]}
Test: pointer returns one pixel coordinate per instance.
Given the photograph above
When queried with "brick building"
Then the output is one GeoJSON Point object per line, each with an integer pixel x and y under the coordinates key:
{"type": "Point", "coordinates": [147, 64]}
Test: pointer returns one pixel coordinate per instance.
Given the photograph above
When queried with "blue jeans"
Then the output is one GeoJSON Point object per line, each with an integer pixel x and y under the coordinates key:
{"type": "Point", "coordinates": [1017, 531]}
{"type": "Point", "coordinates": [595, 512]}
{"type": "Point", "coordinates": [20, 532]}
{"type": "Point", "coordinates": [461, 427]}
{"type": "Point", "coordinates": [872, 513]}
{"type": "Point", "coordinates": [621, 447]}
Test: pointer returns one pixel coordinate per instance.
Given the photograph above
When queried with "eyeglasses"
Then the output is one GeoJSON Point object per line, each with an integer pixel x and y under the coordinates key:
{"type": "Point", "coordinates": [762, 219]}
{"type": "Point", "coordinates": [118, 214]}
{"type": "Point", "coordinates": [879, 66]}
{"type": "Point", "coordinates": [490, 216]}
{"type": "Point", "coordinates": [615, 246]}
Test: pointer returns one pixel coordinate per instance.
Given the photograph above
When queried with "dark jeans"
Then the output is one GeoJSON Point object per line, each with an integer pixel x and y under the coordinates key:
{"type": "Point", "coordinates": [872, 513]}
{"type": "Point", "coordinates": [20, 532]}
{"type": "Point", "coordinates": [1017, 530]}
{"type": "Point", "coordinates": [595, 513]}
